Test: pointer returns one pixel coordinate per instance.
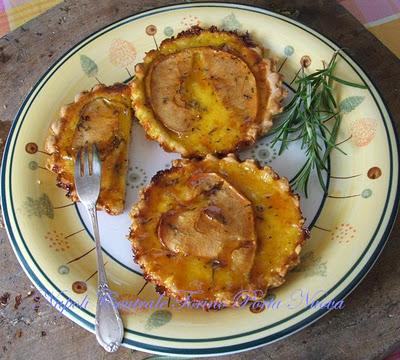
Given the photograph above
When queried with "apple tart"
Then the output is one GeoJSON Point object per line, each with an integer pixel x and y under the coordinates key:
{"type": "Point", "coordinates": [102, 116]}
{"type": "Point", "coordinates": [206, 91]}
{"type": "Point", "coordinates": [211, 228]}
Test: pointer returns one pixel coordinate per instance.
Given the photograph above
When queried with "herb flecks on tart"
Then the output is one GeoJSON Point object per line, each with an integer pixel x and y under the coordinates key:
{"type": "Point", "coordinates": [206, 91]}
{"type": "Point", "coordinates": [215, 227]}
{"type": "Point", "coordinates": [102, 116]}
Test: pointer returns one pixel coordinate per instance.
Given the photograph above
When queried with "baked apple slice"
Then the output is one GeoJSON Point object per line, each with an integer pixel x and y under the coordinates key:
{"type": "Point", "coordinates": [102, 116]}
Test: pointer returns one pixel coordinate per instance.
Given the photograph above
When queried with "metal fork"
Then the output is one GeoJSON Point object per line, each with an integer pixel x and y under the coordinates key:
{"type": "Point", "coordinates": [109, 326]}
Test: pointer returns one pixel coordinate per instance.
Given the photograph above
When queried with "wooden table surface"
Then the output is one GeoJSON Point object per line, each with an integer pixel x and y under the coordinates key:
{"type": "Point", "coordinates": [369, 325]}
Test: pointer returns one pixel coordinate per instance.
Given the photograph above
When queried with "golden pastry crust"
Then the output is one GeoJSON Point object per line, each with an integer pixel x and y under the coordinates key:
{"type": "Point", "coordinates": [206, 91]}
{"type": "Point", "coordinates": [190, 238]}
{"type": "Point", "coordinates": [103, 116]}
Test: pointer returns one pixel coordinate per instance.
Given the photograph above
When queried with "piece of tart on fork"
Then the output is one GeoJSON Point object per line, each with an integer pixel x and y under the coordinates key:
{"type": "Point", "coordinates": [103, 116]}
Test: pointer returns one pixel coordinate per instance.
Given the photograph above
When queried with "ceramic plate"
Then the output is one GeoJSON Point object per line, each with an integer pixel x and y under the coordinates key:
{"type": "Point", "coordinates": [349, 224]}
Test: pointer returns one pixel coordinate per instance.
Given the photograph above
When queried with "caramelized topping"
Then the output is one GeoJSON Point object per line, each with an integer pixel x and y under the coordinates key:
{"type": "Point", "coordinates": [215, 222]}
{"type": "Point", "coordinates": [99, 122]}
{"type": "Point", "coordinates": [202, 85]}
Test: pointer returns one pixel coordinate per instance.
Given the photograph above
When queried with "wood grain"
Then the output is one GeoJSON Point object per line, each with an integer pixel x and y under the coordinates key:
{"type": "Point", "coordinates": [368, 327]}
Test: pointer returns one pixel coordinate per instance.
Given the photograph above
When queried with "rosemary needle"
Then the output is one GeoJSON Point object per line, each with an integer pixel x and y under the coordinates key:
{"type": "Point", "coordinates": [305, 118]}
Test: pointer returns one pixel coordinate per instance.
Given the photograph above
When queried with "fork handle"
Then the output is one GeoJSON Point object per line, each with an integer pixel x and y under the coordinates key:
{"type": "Point", "coordinates": [100, 263]}
{"type": "Point", "coordinates": [109, 326]}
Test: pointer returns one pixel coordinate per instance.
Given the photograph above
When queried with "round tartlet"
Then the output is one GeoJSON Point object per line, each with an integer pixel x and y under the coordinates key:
{"type": "Point", "coordinates": [207, 91]}
{"type": "Point", "coordinates": [209, 229]}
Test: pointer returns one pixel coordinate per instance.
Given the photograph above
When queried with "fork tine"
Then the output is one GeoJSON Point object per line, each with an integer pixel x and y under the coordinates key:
{"type": "Point", "coordinates": [86, 170]}
{"type": "Point", "coordinates": [96, 162]}
{"type": "Point", "coordinates": [78, 164]}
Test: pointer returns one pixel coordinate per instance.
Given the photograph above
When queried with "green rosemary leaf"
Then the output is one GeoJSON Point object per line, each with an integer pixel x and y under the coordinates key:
{"type": "Point", "coordinates": [328, 117]}
{"type": "Point", "coordinates": [348, 83]}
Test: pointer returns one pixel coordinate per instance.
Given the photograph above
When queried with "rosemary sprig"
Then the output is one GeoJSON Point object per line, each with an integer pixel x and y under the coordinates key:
{"type": "Point", "coordinates": [305, 118]}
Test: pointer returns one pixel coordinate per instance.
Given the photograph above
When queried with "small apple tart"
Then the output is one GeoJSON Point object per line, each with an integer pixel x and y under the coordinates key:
{"type": "Point", "coordinates": [209, 229]}
{"type": "Point", "coordinates": [206, 92]}
{"type": "Point", "coordinates": [102, 116]}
